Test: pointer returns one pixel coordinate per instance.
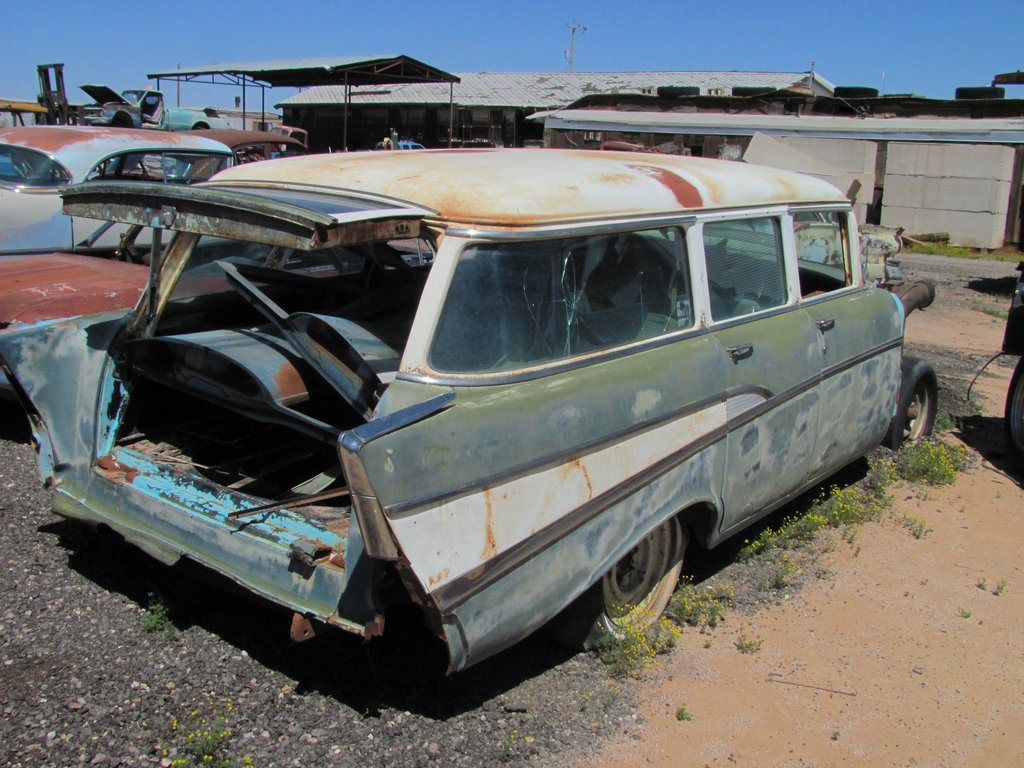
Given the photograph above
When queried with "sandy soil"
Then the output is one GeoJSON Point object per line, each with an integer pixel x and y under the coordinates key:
{"type": "Point", "coordinates": [909, 651]}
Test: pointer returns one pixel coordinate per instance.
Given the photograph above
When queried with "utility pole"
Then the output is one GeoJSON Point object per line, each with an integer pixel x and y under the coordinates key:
{"type": "Point", "coordinates": [570, 52]}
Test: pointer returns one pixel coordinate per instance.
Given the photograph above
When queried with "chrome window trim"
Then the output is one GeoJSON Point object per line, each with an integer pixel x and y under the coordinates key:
{"type": "Point", "coordinates": [548, 369]}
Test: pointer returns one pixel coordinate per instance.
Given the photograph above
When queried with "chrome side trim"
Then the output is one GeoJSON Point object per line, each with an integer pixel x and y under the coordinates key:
{"type": "Point", "coordinates": [410, 507]}
{"type": "Point", "coordinates": [451, 595]}
{"type": "Point", "coordinates": [463, 587]}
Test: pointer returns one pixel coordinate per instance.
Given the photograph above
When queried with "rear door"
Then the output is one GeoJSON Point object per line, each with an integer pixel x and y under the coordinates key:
{"type": "Point", "coordinates": [772, 363]}
{"type": "Point", "coordinates": [859, 330]}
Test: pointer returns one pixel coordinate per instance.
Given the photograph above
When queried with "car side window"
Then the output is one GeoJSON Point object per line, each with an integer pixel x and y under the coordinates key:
{"type": "Point", "coordinates": [512, 305]}
{"type": "Point", "coordinates": [29, 168]}
{"type": "Point", "coordinates": [822, 251]}
{"type": "Point", "coordinates": [177, 167]}
{"type": "Point", "coordinates": [746, 271]}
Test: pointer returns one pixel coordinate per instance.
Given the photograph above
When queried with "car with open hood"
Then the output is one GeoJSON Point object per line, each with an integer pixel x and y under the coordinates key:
{"type": "Point", "coordinates": [507, 386]}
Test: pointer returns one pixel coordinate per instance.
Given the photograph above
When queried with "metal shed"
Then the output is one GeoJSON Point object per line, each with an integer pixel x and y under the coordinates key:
{"type": "Point", "coordinates": [346, 71]}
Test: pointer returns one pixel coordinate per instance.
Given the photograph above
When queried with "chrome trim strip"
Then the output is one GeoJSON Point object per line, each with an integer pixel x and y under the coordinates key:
{"type": "Point", "coordinates": [462, 588]}
{"type": "Point", "coordinates": [568, 228]}
{"type": "Point", "coordinates": [562, 366]}
{"type": "Point", "coordinates": [412, 506]}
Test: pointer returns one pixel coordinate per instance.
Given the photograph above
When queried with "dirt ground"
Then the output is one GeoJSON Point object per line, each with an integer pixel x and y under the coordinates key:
{"type": "Point", "coordinates": [899, 651]}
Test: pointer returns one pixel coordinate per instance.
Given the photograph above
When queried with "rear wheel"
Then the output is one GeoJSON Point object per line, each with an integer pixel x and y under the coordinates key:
{"type": "Point", "coordinates": [632, 595]}
{"type": "Point", "coordinates": [915, 411]}
{"type": "Point", "coordinates": [1013, 416]}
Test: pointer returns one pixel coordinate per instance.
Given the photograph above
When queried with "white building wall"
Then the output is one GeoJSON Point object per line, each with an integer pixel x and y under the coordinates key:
{"type": "Point", "coordinates": [962, 189]}
{"type": "Point", "coordinates": [856, 157]}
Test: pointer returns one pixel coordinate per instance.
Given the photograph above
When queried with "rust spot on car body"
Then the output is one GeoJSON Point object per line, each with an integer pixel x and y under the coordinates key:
{"type": "Point", "coordinates": [289, 386]}
{"type": "Point", "coordinates": [687, 194]}
{"type": "Point", "coordinates": [567, 470]}
{"type": "Point", "coordinates": [116, 471]}
{"type": "Point", "coordinates": [490, 542]}
{"type": "Point", "coordinates": [55, 285]}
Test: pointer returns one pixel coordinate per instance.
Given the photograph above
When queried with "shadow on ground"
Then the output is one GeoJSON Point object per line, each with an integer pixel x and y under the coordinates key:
{"type": "Point", "coordinates": [13, 422]}
{"type": "Point", "coordinates": [403, 669]}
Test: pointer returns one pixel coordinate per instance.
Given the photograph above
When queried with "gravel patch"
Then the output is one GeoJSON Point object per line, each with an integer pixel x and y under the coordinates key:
{"type": "Point", "coordinates": [83, 683]}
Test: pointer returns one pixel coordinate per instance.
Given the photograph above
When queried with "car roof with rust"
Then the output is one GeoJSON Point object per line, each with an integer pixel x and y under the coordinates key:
{"type": "Point", "coordinates": [79, 148]}
{"type": "Point", "coordinates": [522, 187]}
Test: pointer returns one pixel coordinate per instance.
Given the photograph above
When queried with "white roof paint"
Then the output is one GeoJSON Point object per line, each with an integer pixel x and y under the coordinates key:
{"type": "Point", "coordinates": [522, 187]}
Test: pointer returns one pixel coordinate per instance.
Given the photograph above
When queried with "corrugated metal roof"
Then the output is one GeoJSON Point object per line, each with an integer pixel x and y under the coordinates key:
{"type": "Point", "coordinates": [547, 90]}
{"type": "Point", "coordinates": [302, 72]}
{"type": "Point", "coordinates": [983, 130]}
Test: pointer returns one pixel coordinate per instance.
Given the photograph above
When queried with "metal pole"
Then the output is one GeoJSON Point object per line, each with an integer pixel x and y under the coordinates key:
{"type": "Point", "coordinates": [451, 112]}
{"type": "Point", "coordinates": [344, 137]}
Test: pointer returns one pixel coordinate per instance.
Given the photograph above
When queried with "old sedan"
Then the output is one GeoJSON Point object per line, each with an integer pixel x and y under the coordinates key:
{"type": "Point", "coordinates": [507, 386]}
{"type": "Point", "coordinates": [38, 162]}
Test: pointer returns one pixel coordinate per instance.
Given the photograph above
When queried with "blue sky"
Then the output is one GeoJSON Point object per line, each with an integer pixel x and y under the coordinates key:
{"type": "Point", "coordinates": [927, 49]}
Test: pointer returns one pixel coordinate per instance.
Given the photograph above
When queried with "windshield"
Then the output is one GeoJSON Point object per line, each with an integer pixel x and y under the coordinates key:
{"type": "Point", "coordinates": [30, 168]}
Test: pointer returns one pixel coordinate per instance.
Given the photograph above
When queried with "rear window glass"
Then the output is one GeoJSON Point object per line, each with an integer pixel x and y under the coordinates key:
{"type": "Point", "coordinates": [512, 305]}
{"type": "Point", "coordinates": [29, 168]}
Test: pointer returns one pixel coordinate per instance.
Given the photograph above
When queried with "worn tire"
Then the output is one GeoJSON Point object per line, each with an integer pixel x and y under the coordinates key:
{"type": "Point", "coordinates": [1013, 415]}
{"type": "Point", "coordinates": [915, 411]}
{"type": "Point", "coordinates": [855, 92]}
{"type": "Point", "coordinates": [634, 593]}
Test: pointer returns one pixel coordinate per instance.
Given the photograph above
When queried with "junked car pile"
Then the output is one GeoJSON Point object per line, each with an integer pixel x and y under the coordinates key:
{"type": "Point", "coordinates": [509, 386]}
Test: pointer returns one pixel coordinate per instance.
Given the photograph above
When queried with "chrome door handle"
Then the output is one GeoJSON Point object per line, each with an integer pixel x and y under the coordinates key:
{"type": "Point", "coordinates": [825, 324]}
{"type": "Point", "coordinates": [741, 352]}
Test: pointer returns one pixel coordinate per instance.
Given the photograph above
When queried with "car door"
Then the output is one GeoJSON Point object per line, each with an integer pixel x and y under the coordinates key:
{"type": "Point", "coordinates": [772, 363]}
{"type": "Point", "coordinates": [859, 331]}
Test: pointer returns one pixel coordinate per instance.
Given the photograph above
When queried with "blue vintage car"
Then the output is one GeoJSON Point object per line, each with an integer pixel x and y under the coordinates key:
{"type": "Point", "coordinates": [508, 386]}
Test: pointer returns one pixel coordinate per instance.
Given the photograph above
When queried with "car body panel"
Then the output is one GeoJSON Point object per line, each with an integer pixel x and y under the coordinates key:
{"type": "Point", "coordinates": [494, 447]}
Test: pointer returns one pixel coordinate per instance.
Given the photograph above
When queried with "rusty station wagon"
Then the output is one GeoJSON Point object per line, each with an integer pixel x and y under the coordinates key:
{"type": "Point", "coordinates": [507, 385]}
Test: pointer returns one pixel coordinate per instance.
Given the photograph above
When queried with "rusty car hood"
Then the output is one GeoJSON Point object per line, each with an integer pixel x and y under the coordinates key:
{"type": "Point", "coordinates": [59, 285]}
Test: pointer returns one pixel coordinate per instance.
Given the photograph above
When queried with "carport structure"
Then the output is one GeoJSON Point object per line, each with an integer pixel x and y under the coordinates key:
{"type": "Point", "coordinates": [301, 73]}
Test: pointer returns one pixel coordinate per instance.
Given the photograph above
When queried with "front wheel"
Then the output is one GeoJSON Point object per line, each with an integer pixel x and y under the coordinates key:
{"type": "Point", "coordinates": [915, 411]}
{"type": "Point", "coordinates": [632, 595]}
{"type": "Point", "coordinates": [1013, 415]}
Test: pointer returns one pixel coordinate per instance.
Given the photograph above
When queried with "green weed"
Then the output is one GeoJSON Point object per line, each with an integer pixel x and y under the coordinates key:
{"type": "Point", "coordinates": [931, 461]}
{"type": "Point", "coordinates": [748, 645]}
{"type": "Point", "coordinates": [683, 715]}
{"type": "Point", "coordinates": [636, 648]}
{"type": "Point", "coordinates": [703, 607]}
{"type": "Point", "coordinates": [202, 739]}
{"type": "Point", "coordinates": [917, 526]}
{"type": "Point", "coordinates": [157, 618]}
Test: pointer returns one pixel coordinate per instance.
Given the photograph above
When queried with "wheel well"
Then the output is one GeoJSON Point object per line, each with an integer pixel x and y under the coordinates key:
{"type": "Point", "coordinates": [200, 127]}
{"type": "Point", "coordinates": [700, 520]}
